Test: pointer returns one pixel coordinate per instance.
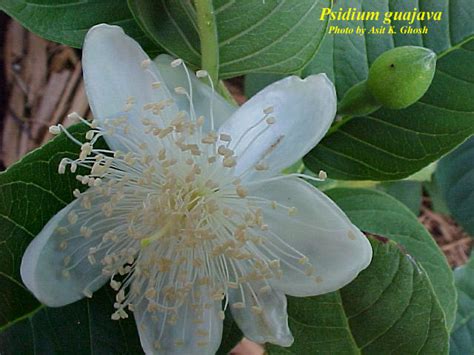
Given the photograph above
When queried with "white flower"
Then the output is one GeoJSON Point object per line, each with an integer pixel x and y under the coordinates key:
{"type": "Point", "coordinates": [187, 214]}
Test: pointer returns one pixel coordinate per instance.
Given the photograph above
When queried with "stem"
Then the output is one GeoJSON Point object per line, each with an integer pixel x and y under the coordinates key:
{"type": "Point", "coordinates": [340, 121]}
{"type": "Point", "coordinates": [222, 89]}
{"type": "Point", "coordinates": [208, 36]}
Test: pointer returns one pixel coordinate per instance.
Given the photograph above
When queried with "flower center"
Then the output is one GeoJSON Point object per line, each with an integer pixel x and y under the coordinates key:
{"type": "Point", "coordinates": [177, 219]}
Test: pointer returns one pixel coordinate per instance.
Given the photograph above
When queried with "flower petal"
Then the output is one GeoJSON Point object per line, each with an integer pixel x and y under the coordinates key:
{"type": "Point", "coordinates": [261, 313]}
{"type": "Point", "coordinates": [115, 74]}
{"type": "Point", "coordinates": [319, 249]}
{"type": "Point", "coordinates": [202, 93]}
{"type": "Point", "coordinates": [56, 267]}
{"type": "Point", "coordinates": [302, 110]}
{"type": "Point", "coordinates": [194, 329]}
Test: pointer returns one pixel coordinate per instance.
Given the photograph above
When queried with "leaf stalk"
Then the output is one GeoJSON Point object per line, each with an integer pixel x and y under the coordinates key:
{"type": "Point", "coordinates": [208, 36]}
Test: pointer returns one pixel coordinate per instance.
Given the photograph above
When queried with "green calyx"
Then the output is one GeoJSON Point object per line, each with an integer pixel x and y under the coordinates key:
{"type": "Point", "coordinates": [400, 77]}
{"type": "Point", "coordinates": [358, 101]}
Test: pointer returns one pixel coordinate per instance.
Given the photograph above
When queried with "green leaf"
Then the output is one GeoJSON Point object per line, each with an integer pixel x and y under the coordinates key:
{"type": "Point", "coordinates": [393, 144]}
{"type": "Point", "coordinates": [389, 308]}
{"type": "Point", "coordinates": [388, 144]}
{"type": "Point", "coordinates": [455, 178]}
{"type": "Point", "coordinates": [254, 35]}
{"type": "Point", "coordinates": [380, 214]}
{"type": "Point", "coordinates": [407, 192]}
{"type": "Point", "coordinates": [83, 327]}
{"type": "Point", "coordinates": [68, 21]}
{"type": "Point", "coordinates": [462, 335]}
{"type": "Point", "coordinates": [438, 204]}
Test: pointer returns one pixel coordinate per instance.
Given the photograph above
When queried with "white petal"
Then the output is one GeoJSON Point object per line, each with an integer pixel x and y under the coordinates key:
{"type": "Point", "coordinates": [202, 93]}
{"type": "Point", "coordinates": [336, 250]}
{"type": "Point", "coordinates": [113, 73]}
{"type": "Point", "coordinates": [194, 331]}
{"type": "Point", "coordinates": [303, 110]}
{"type": "Point", "coordinates": [264, 317]}
{"type": "Point", "coordinates": [43, 264]}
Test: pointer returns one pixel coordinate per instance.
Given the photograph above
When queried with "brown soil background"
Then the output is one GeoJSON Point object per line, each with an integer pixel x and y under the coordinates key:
{"type": "Point", "coordinates": [41, 82]}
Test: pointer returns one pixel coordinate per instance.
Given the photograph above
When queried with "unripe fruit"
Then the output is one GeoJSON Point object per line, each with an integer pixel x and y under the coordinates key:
{"type": "Point", "coordinates": [399, 77]}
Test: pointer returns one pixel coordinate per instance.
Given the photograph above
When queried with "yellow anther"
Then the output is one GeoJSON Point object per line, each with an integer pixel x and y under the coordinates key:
{"type": "Point", "coordinates": [145, 63]}
{"type": "Point", "coordinates": [274, 264]}
{"type": "Point", "coordinates": [74, 116]}
{"type": "Point", "coordinates": [72, 217]}
{"type": "Point", "coordinates": [292, 211]}
{"type": "Point", "coordinates": [164, 132]}
{"type": "Point", "coordinates": [90, 135]}
{"type": "Point", "coordinates": [180, 90]}
{"type": "Point", "coordinates": [268, 110]}
{"type": "Point", "coordinates": [229, 162]}
{"type": "Point", "coordinates": [241, 191]}
{"type": "Point", "coordinates": [322, 175]}
{"type": "Point", "coordinates": [225, 137]}
{"type": "Point", "coordinates": [176, 63]}
{"type": "Point", "coordinates": [54, 130]}
{"type": "Point", "coordinates": [202, 73]}
{"type": "Point", "coordinates": [162, 154]}
{"type": "Point", "coordinates": [115, 285]}
{"type": "Point", "coordinates": [270, 120]}
{"type": "Point", "coordinates": [303, 260]}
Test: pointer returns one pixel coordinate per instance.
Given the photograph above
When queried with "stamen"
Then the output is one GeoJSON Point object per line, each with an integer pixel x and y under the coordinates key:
{"type": "Point", "coordinates": [241, 191]}
{"type": "Point", "coordinates": [225, 137]}
{"type": "Point", "coordinates": [176, 63]}
{"type": "Point", "coordinates": [54, 130]}
{"type": "Point", "coordinates": [180, 90]}
{"type": "Point", "coordinates": [322, 175]}
{"type": "Point", "coordinates": [270, 120]}
{"type": "Point", "coordinates": [145, 63]}
{"type": "Point", "coordinates": [180, 220]}
{"type": "Point", "coordinates": [268, 110]}
{"type": "Point", "coordinates": [202, 73]}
